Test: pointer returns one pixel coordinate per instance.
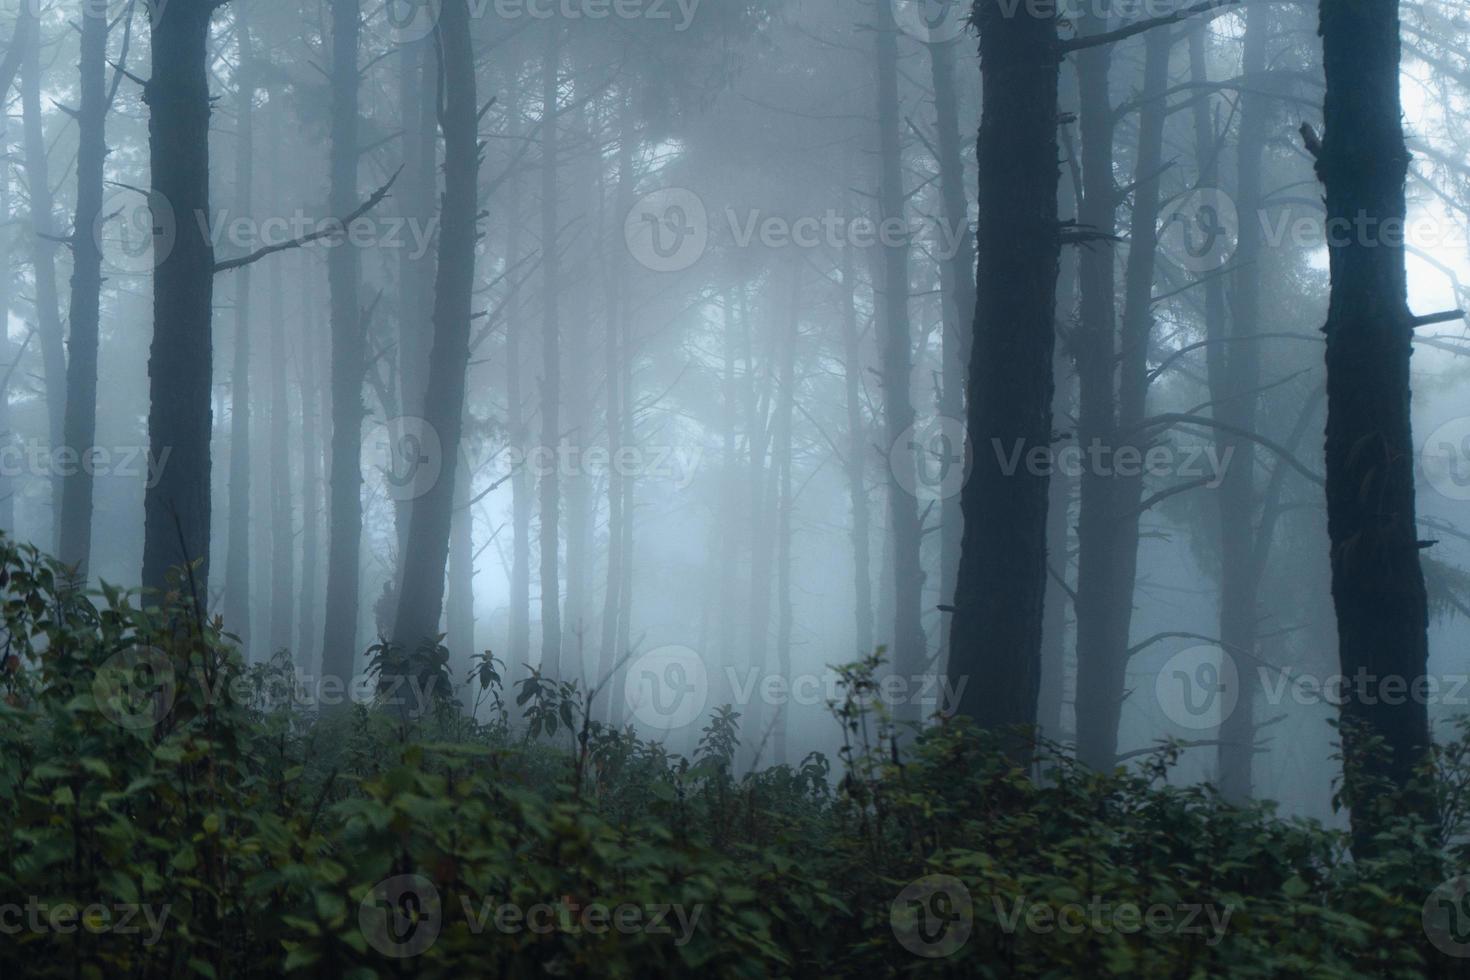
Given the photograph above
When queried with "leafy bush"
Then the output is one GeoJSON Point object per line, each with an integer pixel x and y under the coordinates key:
{"type": "Point", "coordinates": [240, 835]}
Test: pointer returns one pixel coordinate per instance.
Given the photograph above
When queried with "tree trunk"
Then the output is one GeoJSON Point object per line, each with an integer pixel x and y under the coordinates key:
{"type": "Point", "coordinates": [996, 633]}
{"type": "Point", "coordinates": [1234, 393]}
{"type": "Point", "coordinates": [282, 521]}
{"type": "Point", "coordinates": [344, 548]}
{"type": "Point", "coordinates": [785, 617]}
{"type": "Point", "coordinates": [857, 455]}
{"type": "Point", "coordinates": [551, 359]}
{"type": "Point", "coordinates": [421, 599]}
{"type": "Point", "coordinates": [1377, 583]}
{"type": "Point", "coordinates": [957, 280]}
{"type": "Point", "coordinates": [86, 296]}
{"type": "Point", "coordinates": [910, 646]}
{"type": "Point", "coordinates": [308, 650]}
{"type": "Point", "coordinates": [181, 362]}
{"type": "Point", "coordinates": [43, 252]}
{"type": "Point", "coordinates": [237, 548]}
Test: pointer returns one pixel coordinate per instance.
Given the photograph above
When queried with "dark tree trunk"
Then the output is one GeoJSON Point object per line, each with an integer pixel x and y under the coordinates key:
{"type": "Point", "coordinates": [181, 363]}
{"type": "Point", "coordinates": [551, 358]}
{"type": "Point", "coordinates": [995, 641]}
{"type": "Point", "coordinates": [521, 490]}
{"type": "Point", "coordinates": [86, 296]}
{"type": "Point", "coordinates": [910, 646]}
{"type": "Point", "coordinates": [237, 547]}
{"type": "Point", "coordinates": [43, 252]}
{"type": "Point", "coordinates": [785, 614]}
{"type": "Point", "coordinates": [1377, 583]}
{"type": "Point", "coordinates": [421, 599]}
{"type": "Point", "coordinates": [344, 548]}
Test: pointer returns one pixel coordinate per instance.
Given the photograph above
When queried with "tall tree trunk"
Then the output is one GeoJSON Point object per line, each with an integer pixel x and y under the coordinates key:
{"type": "Point", "coordinates": [996, 632]}
{"type": "Point", "coordinates": [617, 311]}
{"type": "Point", "coordinates": [1101, 635]}
{"type": "Point", "coordinates": [910, 647]}
{"type": "Point", "coordinates": [43, 252]}
{"type": "Point", "coordinates": [857, 455]}
{"type": "Point", "coordinates": [344, 548]}
{"type": "Point", "coordinates": [459, 611]}
{"type": "Point", "coordinates": [421, 600]}
{"type": "Point", "coordinates": [785, 616]}
{"type": "Point", "coordinates": [957, 280]}
{"type": "Point", "coordinates": [282, 510]}
{"type": "Point", "coordinates": [308, 651]}
{"type": "Point", "coordinates": [181, 363]}
{"type": "Point", "coordinates": [1377, 583]}
{"type": "Point", "coordinates": [521, 489]}
{"type": "Point", "coordinates": [551, 358]}
{"type": "Point", "coordinates": [8, 352]}
{"type": "Point", "coordinates": [237, 548]}
{"type": "Point", "coordinates": [1234, 393]}
{"type": "Point", "coordinates": [86, 295]}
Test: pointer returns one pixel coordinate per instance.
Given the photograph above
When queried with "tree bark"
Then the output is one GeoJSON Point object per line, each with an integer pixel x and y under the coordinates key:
{"type": "Point", "coordinates": [857, 455]}
{"type": "Point", "coordinates": [421, 599]}
{"type": "Point", "coordinates": [1377, 583]}
{"type": "Point", "coordinates": [86, 295]}
{"type": "Point", "coordinates": [995, 638]}
{"type": "Point", "coordinates": [550, 359]}
{"type": "Point", "coordinates": [181, 362]}
{"type": "Point", "coordinates": [237, 547]}
{"type": "Point", "coordinates": [344, 548]}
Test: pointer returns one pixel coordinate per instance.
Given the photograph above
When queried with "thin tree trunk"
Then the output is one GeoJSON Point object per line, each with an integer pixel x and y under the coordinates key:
{"type": "Point", "coordinates": [8, 352]}
{"type": "Point", "coordinates": [785, 619]}
{"type": "Point", "coordinates": [308, 651]}
{"type": "Point", "coordinates": [910, 646]}
{"type": "Point", "coordinates": [957, 279]}
{"type": "Point", "coordinates": [181, 363]}
{"type": "Point", "coordinates": [520, 478]}
{"type": "Point", "coordinates": [996, 631]}
{"type": "Point", "coordinates": [282, 510]}
{"type": "Point", "coordinates": [86, 296]}
{"type": "Point", "coordinates": [344, 548]}
{"type": "Point", "coordinates": [421, 600]}
{"type": "Point", "coordinates": [237, 548]}
{"type": "Point", "coordinates": [43, 253]}
{"type": "Point", "coordinates": [857, 455]}
{"type": "Point", "coordinates": [551, 359]}
{"type": "Point", "coordinates": [1377, 582]}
